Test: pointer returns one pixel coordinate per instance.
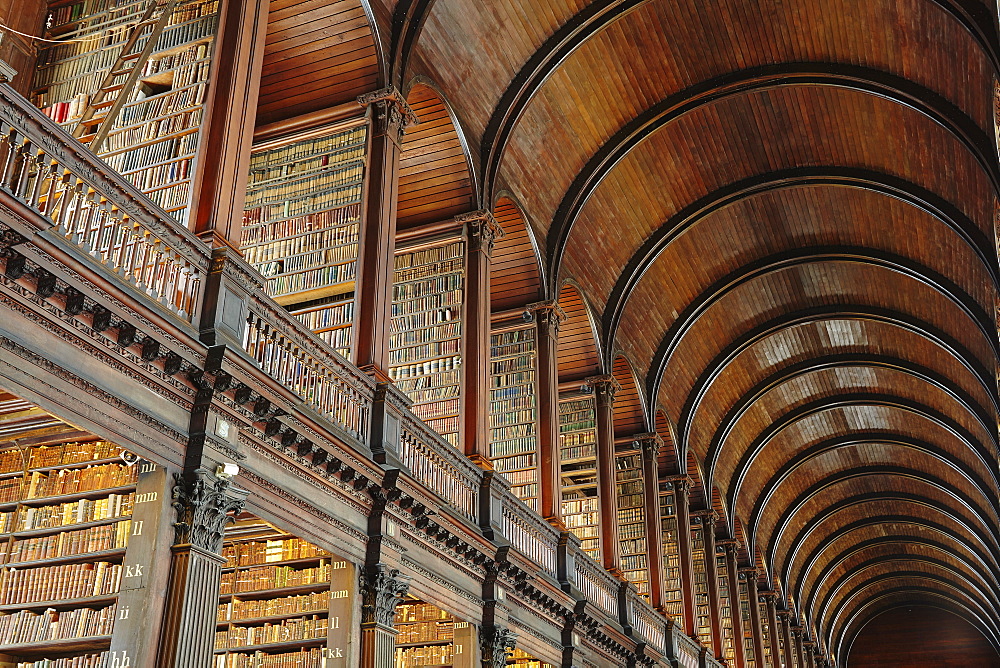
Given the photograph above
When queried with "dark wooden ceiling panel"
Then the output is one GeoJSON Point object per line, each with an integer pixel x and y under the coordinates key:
{"type": "Point", "coordinates": [577, 338]}
{"type": "Point", "coordinates": [668, 453]}
{"type": "Point", "coordinates": [629, 413]}
{"type": "Point", "coordinates": [434, 179]}
{"type": "Point", "coordinates": [319, 53]}
{"type": "Point", "coordinates": [515, 278]}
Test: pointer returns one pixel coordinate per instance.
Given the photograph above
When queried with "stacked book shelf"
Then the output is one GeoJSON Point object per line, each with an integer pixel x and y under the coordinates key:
{"type": "Point", "coordinates": [428, 636]}
{"type": "Point", "coordinates": [703, 616]}
{"type": "Point", "coordinates": [632, 520]}
{"type": "Point", "coordinates": [581, 510]}
{"type": "Point", "coordinates": [522, 659]}
{"type": "Point", "coordinates": [673, 601]}
{"type": "Point", "coordinates": [425, 332]}
{"type": "Point", "coordinates": [154, 137]}
{"type": "Point", "coordinates": [513, 410]}
{"type": "Point", "coordinates": [274, 602]}
{"type": "Point", "coordinates": [765, 634]}
{"type": "Point", "coordinates": [65, 524]}
{"type": "Point", "coordinates": [300, 227]}
{"type": "Point", "coordinates": [749, 658]}
{"type": "Point", "coordinates": [725, 609]}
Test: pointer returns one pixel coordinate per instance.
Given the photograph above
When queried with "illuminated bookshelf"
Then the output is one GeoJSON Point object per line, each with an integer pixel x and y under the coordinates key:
{"type": "Point", "coordinates": [632, 520]}
{"type": "Point", "coordinates": [427, 636]}
{"type": "Point", "coordinates": [703, 617]}
{"type": "Point", "coordinates": [673, 601]}
{"type": "Point", "coordinates": [578, 470]}
{"type": "Point", "coordinates": [725, 608]}
{"type": "Point", "coordinates": [749, 657]}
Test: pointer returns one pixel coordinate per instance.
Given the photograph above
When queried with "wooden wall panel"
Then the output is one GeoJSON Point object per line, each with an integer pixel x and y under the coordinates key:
{"type": "Point", "coordinates": [578, 356]}
{"type": "Point", "coordinates": [27, 16]}
{"type": "Point", "coordinates": [514, 272]}
{"type": "Point", "coordinates": [629, 414]}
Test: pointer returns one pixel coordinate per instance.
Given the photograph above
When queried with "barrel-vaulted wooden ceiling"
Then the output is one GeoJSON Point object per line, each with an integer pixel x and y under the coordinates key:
{"type": "Point", "coordinates": [777, 215]}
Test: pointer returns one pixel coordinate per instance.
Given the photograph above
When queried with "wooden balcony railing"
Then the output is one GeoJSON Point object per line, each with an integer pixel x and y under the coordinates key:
{"type": "Point", "coordinates": [599, 586]}
{"type": "Point", "coordinates": [687, 651]}
{"type": "Point", "coordinates": [530, 534]}
{"type": "Point", "coordinates": [647, 623]}
{"type": "Point", "coordinates": [97, 210]}
{"type": "Point", "coordinates": [439, 466]}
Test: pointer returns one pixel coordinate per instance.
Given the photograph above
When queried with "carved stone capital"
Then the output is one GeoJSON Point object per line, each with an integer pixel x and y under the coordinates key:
{"type": "Point", "coordinates": [730, 545]}
{"type": "Point", "coordinates": [389, 111]}
{"type": "Point", "coordinates": [605, 387]}
{"type": "Point", "coordinates": [482, 229]}
{"type": "Point", "coordinates": [548, 314]}
{"type": "Point", "coordinates": [649, 445]}
{"type": "Point", "coordinates": [381, 592]}
{"type": "Point", "coordinates": [203, 508]}
{"type": "Point", "coordinates": [498, 642]}
{"type": "Point", "coordinates": [682, 484]}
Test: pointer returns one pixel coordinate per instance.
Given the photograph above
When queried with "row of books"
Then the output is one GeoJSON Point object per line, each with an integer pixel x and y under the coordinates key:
{"type": "Point", "coordinates": [68, 543]}
{"type": "Point", "coordinates": [146, 109]}
{"type": "Point", "coordinates": [307, 164]}
{"type": "Point", "coordinates": [424, 368]}
{"type": "Point", "coordinates": [51, 583]}
{"type": "Point", "coordinates": [252, 553]}
{"type": "Point", "coordinates": [311, 260]}
{"type": "Point", "coordinates": [253, 609]}
{"type": "Point", "coordinates": [72, 481]}
{"type": "Point", "coordinates": [273, 577]}
{"type": "Point", "coordinates": [436, 409]}
{"type": "Point", "coordinates": [579, 438]}
{"type": "Point", "coordinates": [314, 202]}
{"type": "Point", "coordinates": [523, 398]}
{"type": "Point", "coordinates": [498, 352]}
{"type": "Point", "coordinates": [514, 432]}
{"type": "Point", "coordinates": [153, 177]}
{"type": "Point", "coordinates": [512, 415]}
{"type": "Point", "coordinates": [626, 515]}
{"type": "Point", "coordinates": [628, 501]}
{"type": "Point", "coordinates": [425, 632]}
{"type": "Point", "coordinates": [74, 512]}
{"type": "Point", "coordinates": [193, 53]}
{"type": "Point", "coordinates": [419, 612]}
{"type": "Point", "coordinates": [633, 546]}
{"type": "Point", "coordinates": [585, 451]}
{"type": "Point", "coordinates": [585, 505]}
{"type": "Point", "coordinates": [338, 339]}
{"type": "Point", "coordinates": [63, 112]}
{"type": "Point", "coordinates": [428, 286]}
{"type": "Point", "coordinates": [431, 319]}
{"type": "Point", "coordinates": [444, 426]}
{"type": "Point", "coordinates": [572, 520]}
{"type": "Point", "coordinates": [74, 67]}
{"type": "Point", "coordinates": [504, 464]}
{"type": "Point", "coordinates": [44, 456]}
{"type": "Point", "coordinates": [345, 236]}
{"type": "Point", "coordinates": [633, 530]}
{"type": "Point", "coordinates": [425, 351]}
{"type": "Point", "coordinates": [289, 629]}
{"type": "Point", "coordinates": [312, 279]}
{"type": "Point", "coordinates": [435, 394]}
{"type": "Point", "coordinates": [514, 446]}
{"type": "Point", "coordinates": [83, 661]}
{"type": "Point", "coordinates": [522, 477]}
{"type": "Point", "coordinates": [634, 561]}
{"type": "Point", "coordinates": [429, 256]}
{"type": "Point", "coordinates": [421, 271]}
{"type": "Point", "coordinates": [512, 365]}
{"type": "Point", "coordinates": [171, 198]}
{"type": "Point", "coordinates": [67, 13]}
{"type": "Point", "coordinates": [119, 140]}
{"type": "Point", "coordinates": [29, 627]}
{"type": "Point", "coordinates": [432, 302]}
{"type": "Point", "coordinates": [507, 380]}
{"type": "Point", "coordinates": [326, 179]}
{"type": "Point", "coordinates": [431, 655]}
{"type": "Point", "coordinates": [256, 232]}
{"type": "Point", "coordinates": [443, 382]}
{"type": "Point", "coordinates": [309, 147]}
{"type": "Point", "coordinates": [144, 157]}
{"type": "Point", "coordinates": [306, 658]}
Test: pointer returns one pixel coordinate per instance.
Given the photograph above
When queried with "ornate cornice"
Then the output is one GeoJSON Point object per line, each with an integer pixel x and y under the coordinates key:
{"type": "Point", "coordinates": [482, 229]}
{"type": "Point", "coordinates": [390, 112]}
{"type": "Point", "coordinates": [546, 313]}
{"type": "Point", "coordinates": [203, 506]}
{"type": "Point", "coordinates": [605, 387]}
{"type": "Point", "coordinates": [497, 643]}
{"type": "Point", "coordinates": [381, 590]}
{"type": "Point", "coordinates": [650, 445]}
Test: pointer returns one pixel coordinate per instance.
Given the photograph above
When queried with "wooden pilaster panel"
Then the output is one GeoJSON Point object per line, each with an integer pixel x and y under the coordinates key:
{"type": "Point", "coordinates": [482, 231]}
{"type": "Point", "coordinates": [223, 164]}
{"type": "Point", "coordinates": [548, 317]}
{"type": "Point", "coordinates": [708, 520]}
{"type": "Point", "coordinates": [755, 623]}
{"type": "Point", "coordinates": [735, 605]}
{"type": "Point", "coordinates": [381, 590]}
{"type": "Point", "coordinates": [772, 627]}
{"type": "Point", "coordinates": [605, 388]}
{"type": "Point", "coordinates": [345, 616]}
{"type": "Point", "coordinates": [650, 445]}
{"type": "Point", "coordinates": [204, 502]}
{"type": "Point", "coordinates": [682, 491]}
{"type": "Point", "coordinates": [389, 116]}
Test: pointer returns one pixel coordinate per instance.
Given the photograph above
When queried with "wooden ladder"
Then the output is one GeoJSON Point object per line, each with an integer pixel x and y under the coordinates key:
{"type": "Point", "coordinates": [92, 127]}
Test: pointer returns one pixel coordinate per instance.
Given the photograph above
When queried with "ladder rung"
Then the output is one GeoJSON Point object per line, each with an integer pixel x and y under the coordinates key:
{"type": "Point", "coordinates": [87, 138]}
{"type": "Point", "coordinates": [130, 56]}
{"type": "Point", "coordinates": [93, 120]}
{"type": "Point", "coordinates": [103, 104]}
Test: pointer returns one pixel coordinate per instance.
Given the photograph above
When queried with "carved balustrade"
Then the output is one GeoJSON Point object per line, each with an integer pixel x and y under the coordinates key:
{"type": "Point", "coordinates": [530, 534]}
{"type": "Point", "coordinates": [97, 210]}
{"type": "Point", "coordinates": [597, 585]}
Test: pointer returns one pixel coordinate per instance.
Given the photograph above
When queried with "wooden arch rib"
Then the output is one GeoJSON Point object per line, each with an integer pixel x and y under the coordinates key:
{"type": "Point", "coordinates": [515, 269]}
{"type": "Point", "coordinates": [807, 588]}
{"type": "Point", "coordinates": [669, 464]}
{"type": "Point", "coordinates": [579, 342]}
{"type": "Point", "coordinates": [880, 604]}
{"type": "Point", "coordinates": [908, 582]}
{"type": "Point", "coordinates": [436, 180]}
{"type": "Point", "coordinates": [986, 535]}
{"type": "Point", "coordinates": [629, 414]}
{"type": "Point", "coordinates": [595, 18]}
{"type": "Point", "coordinates": [883, 511]}
{"type": "Point", "coordinates": [317, 55]}
{"type": "Point", "coordinates": [900, 90]}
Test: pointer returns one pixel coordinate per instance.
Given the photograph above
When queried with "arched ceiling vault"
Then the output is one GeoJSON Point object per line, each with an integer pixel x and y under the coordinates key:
{"type": "Point", "coordinates": [781, 213]}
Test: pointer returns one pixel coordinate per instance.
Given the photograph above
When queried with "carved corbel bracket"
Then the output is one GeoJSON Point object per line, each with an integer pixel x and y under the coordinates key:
{"type": "Point", "coordinates": [498, 642]}
{"type": "Point", "coordinates": [482, 229]}
{"type": "Point", "coordinates": [605, 387]}
{"type": "Point", "coordinates": [390, 112]}
{"type": "Point", "coordinates": [548, 314]}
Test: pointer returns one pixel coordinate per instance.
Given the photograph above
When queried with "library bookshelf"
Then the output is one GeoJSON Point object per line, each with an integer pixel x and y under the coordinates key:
{"type": "Point", "coordinates": [514, 409]}
{"type": "Point", "coordinates": [301, 225]}
{"type": "Point", "coordinates": [141, 112]}
{"type": "Point", "coordinates": [632, 520]}
{"type": "Point", "coordinates": [65, 522]}
{"type": "Point", "coordinates": [522, 659]}
{"type": "Point", "coordinates": [749, 657]}
{"type": "Point", "coordinates": [578, 469]}
{"type": "Point", "coordinates": [765, 635]}
{"type": "Point", "coordinates": [703, 617]}
{"type": "Point", "coordinates": [725, 608]}
{"type": "Point", "coordinates": [673, 602]}
{"type": "Point", "coordinates": [427, 636]}
{"type": "Point", "coordinates": [425, 330]}
{"type": "Point", "coordinates": [278, 599]}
